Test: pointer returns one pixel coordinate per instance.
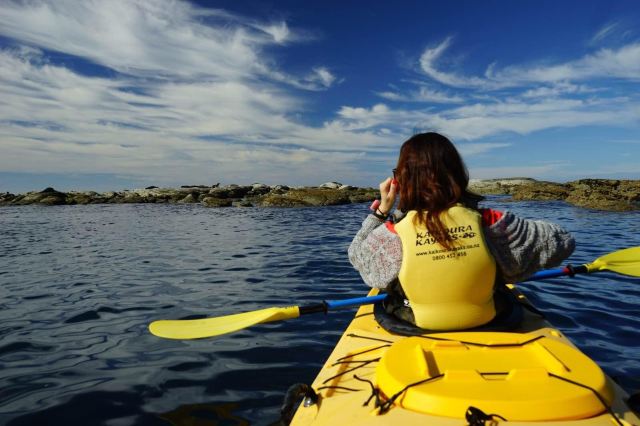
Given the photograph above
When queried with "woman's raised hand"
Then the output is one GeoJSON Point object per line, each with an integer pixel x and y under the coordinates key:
{"type": "Point", "coordinates": [388, 189]}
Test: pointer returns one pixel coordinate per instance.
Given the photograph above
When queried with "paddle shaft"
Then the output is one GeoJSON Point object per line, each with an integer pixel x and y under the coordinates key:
{"type": "Point", "coordinates": [357, 301]}
{"type": "Point", "coordinates": [335, 304]}
{"type": "Point", "coordinates": [558, 272]}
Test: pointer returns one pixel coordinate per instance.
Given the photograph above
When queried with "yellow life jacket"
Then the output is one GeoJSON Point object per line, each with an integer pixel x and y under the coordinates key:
{"type": "Point", "coordinates": [448, 289]}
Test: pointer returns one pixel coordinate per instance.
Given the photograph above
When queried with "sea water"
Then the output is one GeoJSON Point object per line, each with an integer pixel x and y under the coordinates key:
{"type": "Point", "coordinates": [80, 284]}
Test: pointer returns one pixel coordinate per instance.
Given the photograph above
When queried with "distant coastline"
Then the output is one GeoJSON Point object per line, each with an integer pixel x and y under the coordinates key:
{"type": "Point", "coordinates": [600, 194]}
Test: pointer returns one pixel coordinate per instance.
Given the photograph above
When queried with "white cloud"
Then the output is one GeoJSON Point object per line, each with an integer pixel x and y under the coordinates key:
{"type": "Point", "coordinates": [604, 32]}
{"type": "Point", "coordinates": [379, 111]}
{"type": "Point", "coordinates": [519, 99]}
{"type": "Point", "coordinates": [56, 121]}
{"type": "Point", "coordinates": [480, 120]}
{"type": "Point", "coordinates": [195, 93]}
{"type": "Point", "coordinates": [279, 31]}
{"type": "Point", "coordinates": [422, 94]}
{"type": "Point", "coordinates": [151, 38]}
{"type": "Point", "coordinates": [558, 89]}
{"type": "Point", "coordinates": [470, 149]}
{"type": "Point", "coordinates": [623, 62]}
{"type": "Point", "coordinates": [324, 76]}
{"type": "Point", "coordinates": [318, 79]}
{"type": "Point", "coordinates": [138, 38]}
{"type": "Point", "coordinates": [428, 61]}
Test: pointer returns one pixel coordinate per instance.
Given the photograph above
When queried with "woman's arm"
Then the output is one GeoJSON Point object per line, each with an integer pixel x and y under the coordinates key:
{"type": "Point", "coordinates": [376, 252]}
{"type": "Point", "coordinates": [521, 246]}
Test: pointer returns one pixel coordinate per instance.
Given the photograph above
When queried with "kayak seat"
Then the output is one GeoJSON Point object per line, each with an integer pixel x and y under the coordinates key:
{"type": "Point", "coordinates": [508, 318]}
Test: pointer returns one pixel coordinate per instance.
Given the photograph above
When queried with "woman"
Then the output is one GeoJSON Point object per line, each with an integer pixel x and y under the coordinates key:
{"type": "Point", "coordinates": [442, 253]}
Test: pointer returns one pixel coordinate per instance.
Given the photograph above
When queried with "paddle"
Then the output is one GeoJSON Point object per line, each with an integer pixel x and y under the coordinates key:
{"type": "Point", "coordinates": [216, 326]}
{"type": "Point", "coordinates": [625, 262]}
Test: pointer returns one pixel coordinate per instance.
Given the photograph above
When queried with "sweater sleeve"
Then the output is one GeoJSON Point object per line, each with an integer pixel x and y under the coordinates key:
{"type": "Point", "coordinates": [521, 247]}
{"type": "Point", "coordinates": [376, 253]}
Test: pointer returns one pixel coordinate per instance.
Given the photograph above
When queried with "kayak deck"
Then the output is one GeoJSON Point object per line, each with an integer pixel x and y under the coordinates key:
{"type": "Point", "coordinates": [534, 374]}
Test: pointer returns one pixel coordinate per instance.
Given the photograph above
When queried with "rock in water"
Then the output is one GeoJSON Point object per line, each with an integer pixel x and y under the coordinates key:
{"type": "Point", "coordinates": [331, 185]}
{"type": "Point", "coordinates": [605, 194]}
{"type": "Point", "coordinates": [498, 186]}
{"type": "Point", "coordinates": [540, 191]}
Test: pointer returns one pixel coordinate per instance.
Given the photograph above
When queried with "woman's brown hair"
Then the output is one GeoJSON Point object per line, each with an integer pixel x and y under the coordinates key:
{"type": "Point", "coordinates": [432, 178]}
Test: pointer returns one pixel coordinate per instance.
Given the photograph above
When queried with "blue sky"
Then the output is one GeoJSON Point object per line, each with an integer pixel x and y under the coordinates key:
{"type": "Point", "coordinates": [107, 95]}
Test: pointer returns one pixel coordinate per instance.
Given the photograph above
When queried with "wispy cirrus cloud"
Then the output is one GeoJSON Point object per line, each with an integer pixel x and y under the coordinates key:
{"type": "Point", "coordinates": [605, 32]}
{"type": "Point", "coordinates": [471, 149]}
{"type": "Point", "coordinates": [622, 62]}
{"type": "Point", "coordinates": [56, 120]}
{"type": "Point", "coordinates": [136, 38]}
{"type": "Point", "coordinates": [179, 91]}
{"type": "Point", "coordinates": [513, 101]}
{"type": "Point", "coordinates": [422, 94]}
{"type": "Point", "coordinates": [154, 38]}
{"type": "Point", "coordinates": [561, 88]}
{"type": "Point", "coordinates": [279, 31]}
{"type": "Point", "coordinates": [479, 120]}
{"type": "Point", "coordinates": [428, 64]}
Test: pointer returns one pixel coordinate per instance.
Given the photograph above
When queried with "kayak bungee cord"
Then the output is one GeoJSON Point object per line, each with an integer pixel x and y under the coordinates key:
{"type": "Point", "coordinates": [484, 345]}
{"type": "Point", "coordinates": [364, 352]}
{"type": "Point", "coordinates": [369, 338]}
{"type": "Point", "coordinates": [386, 405]}
{"type": "Point", "coordinates": [375, 392]}
{"type": "Point", "coordinates": [595, 392]}
{"type": "Point", "coordinates": [362, 364]}
{"type": "Point", "coordinates": [473, 415]}
{"type": "Point", "coordinates": [339, 388]}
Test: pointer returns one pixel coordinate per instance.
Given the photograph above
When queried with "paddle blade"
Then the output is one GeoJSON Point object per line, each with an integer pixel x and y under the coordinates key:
{"type": "Point", "coordinates": [210, 327]}
{"type": "Point", "coordinates": [626, 262]}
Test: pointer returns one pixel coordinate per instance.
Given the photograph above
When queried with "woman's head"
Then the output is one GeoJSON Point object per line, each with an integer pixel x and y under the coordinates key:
{"type": "Point", "coordinates": [431, 173]}
{"type": "Point", "coordinates": [432, 178]}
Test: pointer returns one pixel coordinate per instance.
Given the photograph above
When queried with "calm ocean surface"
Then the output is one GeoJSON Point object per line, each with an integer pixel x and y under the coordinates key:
{"type": "Point", "coordinates": [80, 284]}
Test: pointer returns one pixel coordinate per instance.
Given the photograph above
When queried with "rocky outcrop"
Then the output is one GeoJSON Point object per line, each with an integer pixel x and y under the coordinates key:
{"type": "Point", "coordinates": [255, 195]}
{"type": "Point", "coordinates": [498, 186]}
{"type": "Point", "coordinates": [598, 194]}
{"type": "Point", "coordinates": [605, 194]}
{"type": "Point", "coordinates": [540, 191]}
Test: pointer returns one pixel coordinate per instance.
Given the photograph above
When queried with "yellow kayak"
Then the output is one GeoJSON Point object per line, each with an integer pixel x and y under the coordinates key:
{"type": "Point", "coordinates": [531, 375]}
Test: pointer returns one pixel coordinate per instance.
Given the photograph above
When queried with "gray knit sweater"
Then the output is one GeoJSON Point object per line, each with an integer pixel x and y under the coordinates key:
{"type": "Point", "coordinates": [520, 247]}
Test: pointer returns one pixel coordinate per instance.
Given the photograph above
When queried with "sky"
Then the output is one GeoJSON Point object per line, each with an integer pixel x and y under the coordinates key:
{"type": "Point", "coordinates": [111, 95]}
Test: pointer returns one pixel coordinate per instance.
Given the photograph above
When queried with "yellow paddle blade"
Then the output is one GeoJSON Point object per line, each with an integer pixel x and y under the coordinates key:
{"type": "Point", "coordinates": [626, 262]}
{"type": "Point", "coordinates": [210, 327]}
